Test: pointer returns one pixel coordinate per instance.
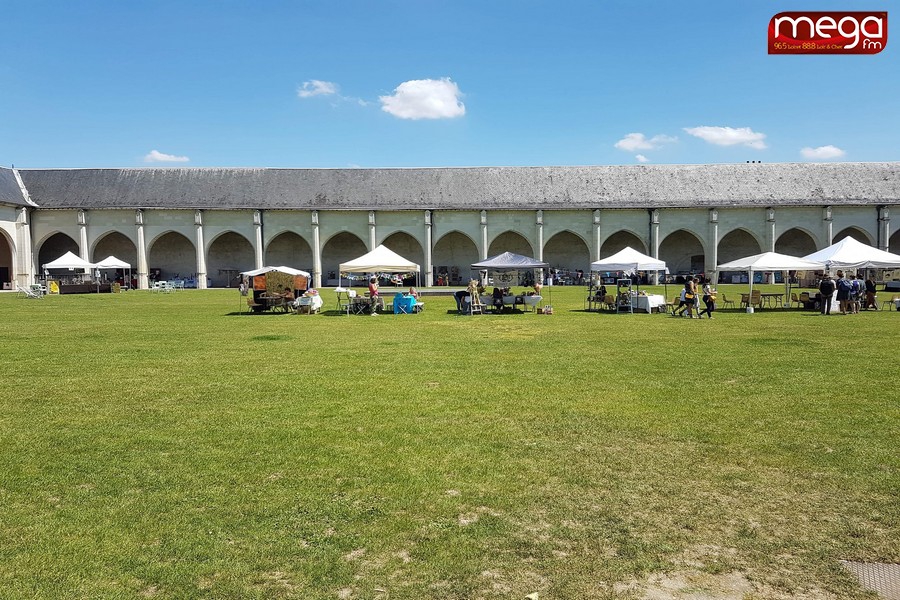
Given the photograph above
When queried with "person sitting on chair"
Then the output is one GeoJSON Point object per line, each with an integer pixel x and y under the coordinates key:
{"type": "Point", "coordinates": [413, 292]}
{"type": "Point", "coordinates": [497, 299]}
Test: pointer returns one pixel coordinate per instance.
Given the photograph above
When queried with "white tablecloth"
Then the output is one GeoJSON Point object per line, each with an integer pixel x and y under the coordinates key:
{"type": "Point", "coordinates": [648, 303]}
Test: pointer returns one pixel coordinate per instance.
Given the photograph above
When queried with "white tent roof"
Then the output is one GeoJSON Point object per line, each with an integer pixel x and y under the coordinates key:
{"type": "Point", "coordinates": [380, 259]}
{"type": "Point", "coordinates": [851, 253]}
{"type": "Point", "coordinates": [69, 261]}
{"type": "Point", "coordinates": [771, 261]}
{"type": "Point", "coordinates": [111, 262]}
{"type": "Point", "coordinates": [510, 260]}
{"type": "Point", "coordinates": [629, 260]}
{"type": "Point", "coordinates": [282, 269]}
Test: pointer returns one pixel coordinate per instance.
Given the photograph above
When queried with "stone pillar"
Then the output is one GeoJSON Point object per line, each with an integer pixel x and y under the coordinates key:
{"type": "Point", "coordinates": [596, 235]}
{"type": "Point", "coordinates": [372, 237]}
{"type": "Point", "coordinates": [317, 251]}
{"type": "Point", "coordinates": [884, 228]}
{"type": "Point", "coordinates": [24, 268]}
{"type": "Point", "coordinates": [770, 229]}
{"type": "Point", "coordinates": [142, 269]}
{"type": "Point", "coordinates": [428, 266]}
{"type": "Point", "coordinates": [828, 225]}
{"type": "Point", "coordinates": [539, 222]}
{"type": "Point", "coordinates": [654, 241]}
{"type": "Point", "coordinates": [201, 251]}
{"type": "Point", "coordinates": [484, 235]}
{"type": "Point", "coordinates": [712, 260]}
{"type": "Point", "coordinates": [258, 245]}
{"type": "Point", "coordinates": [81, 218]}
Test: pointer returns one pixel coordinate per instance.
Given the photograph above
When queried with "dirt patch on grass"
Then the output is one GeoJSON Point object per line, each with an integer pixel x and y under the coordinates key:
{"type": "Point", "coordinates": [697, 585]}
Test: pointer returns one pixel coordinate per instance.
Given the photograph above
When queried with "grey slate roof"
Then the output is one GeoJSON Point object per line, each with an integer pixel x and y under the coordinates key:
{"type": "Point", "coordinates": [10, 192]}
{"type": "Point", "coordinates": [642, 186]}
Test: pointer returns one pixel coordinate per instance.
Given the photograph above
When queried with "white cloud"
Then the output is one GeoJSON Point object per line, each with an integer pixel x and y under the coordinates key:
{"type": "Point", "coordinates": [822, 152]}
{"type": "Point", "coordinates": [157, 156]}
{"type": "Point", "coordinates": [425, 99]}
{"type": "Point", "coordinates": [641, 158]}
{"type": "Point", "coordinates": [314, 87]}
{"type": "Point", "coordinates": [638, 141]}
{"type": "Point", "coordinates": [729, 136]}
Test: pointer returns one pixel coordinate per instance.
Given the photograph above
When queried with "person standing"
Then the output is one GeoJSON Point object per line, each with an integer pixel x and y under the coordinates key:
{"type": "Point", "coordinates": [690, 296]}
{"type": "Point", "coordinates": [870, 294]}
{"type": "Point", "coordinates": [843, 292]}
{"type": "Point", "coordinates": [856, 294]}
{"type": "Point", "coordinates": [373, 296]}
{"type": "Point", "coordinates": [826, 292]}
{"type": "Point", "coordinates": [709, 299]}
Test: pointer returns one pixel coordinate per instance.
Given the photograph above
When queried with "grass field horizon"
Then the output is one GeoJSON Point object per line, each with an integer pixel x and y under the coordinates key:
{"type": "Point", "coordinates": [166, 445]}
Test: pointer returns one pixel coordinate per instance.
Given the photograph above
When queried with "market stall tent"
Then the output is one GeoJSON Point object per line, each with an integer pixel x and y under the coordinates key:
{"type": "Point", "coordinates": [69, 261]}
{"type": "Point", "coordinates": [853, 254]}
{"type": "Point", "coordinates": [771, 261]}
{"type": "Point", "coordinates": [380, 259]}
{"type": "Point", "coordinates": [111, 262]}
{"type": "Point", "coordinates": [509, 261]}
{"type": "Point", "coordinates": [629, 260]}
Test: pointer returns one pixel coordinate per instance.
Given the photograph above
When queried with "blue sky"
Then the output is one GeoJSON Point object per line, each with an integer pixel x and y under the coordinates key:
{"type": "Point", "coordinates": [336, 84]}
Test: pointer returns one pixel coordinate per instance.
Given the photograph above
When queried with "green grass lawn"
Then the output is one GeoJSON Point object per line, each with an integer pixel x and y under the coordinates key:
{"type": "Point", "coordinates": [167, 446]}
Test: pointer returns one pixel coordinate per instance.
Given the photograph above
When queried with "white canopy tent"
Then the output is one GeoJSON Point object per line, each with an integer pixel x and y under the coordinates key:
{"type": "Point", "coordinates": [69, 261]}
{"type": "Point", "coordinates": [281, 269]}
{"type": "Point", "coordinates": [853, 254]}
{"type": "Point", "coordinates": [771, 261]}
{"type": "Point", "coordinates": [629, 260]}
{"type": "Point", "coordinates": [111, 262]}
{"type": "Point", "coordinates": [380, 259]}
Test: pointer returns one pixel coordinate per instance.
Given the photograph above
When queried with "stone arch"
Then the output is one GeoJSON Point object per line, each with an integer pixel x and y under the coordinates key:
{"type": "Point", "coordinates": [229, 253]}
{"type": "Point", "coordinates": [453, 255]}
{"type": "Point", "coordinates": [7, 260]}
{"type": "Point", "coordinates": [340, 248]}
{"type": "Point", "coordinates": [406, 246]}
{"type": "Point", "coordinates": [619, 241]}
{"type": "Point", "coordinates": [510, 241]}
{"type": "Point", "coordinates": [795, 242]}
{"type": "Point", "coordinates": [856, 233]}
{"type": "Point", "coordinates": [290, 250]}
{"type": "Point", "coordinates": [171, 254]}
{"type": "Point", "coordinates": [567, 251]}
{"type": "Point", "coordinates": [115, 244]}
{"type": "Point", "coordinates": [736, 244]}
{"type": "Point", "coordinates": [683, 252]}
{"type": "Point", "coordinates": [55, 246]}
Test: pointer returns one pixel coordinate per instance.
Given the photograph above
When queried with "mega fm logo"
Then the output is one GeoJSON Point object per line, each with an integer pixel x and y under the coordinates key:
{"type": "Point", "coordinates": [828, 33]}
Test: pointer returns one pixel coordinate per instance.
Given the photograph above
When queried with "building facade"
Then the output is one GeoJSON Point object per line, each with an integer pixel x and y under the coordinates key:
{"type": "Point", "coordinates": [213, 223]}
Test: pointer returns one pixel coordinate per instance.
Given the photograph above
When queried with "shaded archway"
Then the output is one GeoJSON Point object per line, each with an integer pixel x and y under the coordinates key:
{"type": "Point", "coordinates": [682, 252]}
{"type": "Point", "coordinates": [171, 255]}
{"type": "Point", "coordinates": [795, 242]}
{"type": "Point", "coordinates": [737, 244]}
{"type": "Point", "coordinates": [567, 252]}
{"type": "Point", "coordinates": [854, 232]}
{"type": "Point", "coordinates": [406, 246]}
{"type": "Point", "coordinates": [55, 246]}
{"type": "Point", "coordinates": [6, 262]}
{"type": "Point", "coordinates": [341, 248]}
{"type": "Point", "coordinates": [510, 241]}
{"type": "Point", "coordinates": [619, 241]}
{"type": "Point", "coordinates": [453, 256]}
{"type": "Point", "coordinates": [894, 242]}
{"type": "Point", "coordinates": [228, 255]}
{"type": "Point", "coordinates": [290, 250]}
{"type": "Point", "coordinates": [118, 245]}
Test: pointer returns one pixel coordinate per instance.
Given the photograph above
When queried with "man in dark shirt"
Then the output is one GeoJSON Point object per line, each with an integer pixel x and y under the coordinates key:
{"type": "Point", "coordinates": [826, 289]}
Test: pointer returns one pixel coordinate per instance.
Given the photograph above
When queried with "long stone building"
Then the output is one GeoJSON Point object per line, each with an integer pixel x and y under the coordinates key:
{"type": "Point", "coordinates": [213, 223]}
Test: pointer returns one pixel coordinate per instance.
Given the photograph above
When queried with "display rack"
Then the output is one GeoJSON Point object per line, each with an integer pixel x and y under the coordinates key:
{"type": "Point", "coordinates": [623, 296]}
